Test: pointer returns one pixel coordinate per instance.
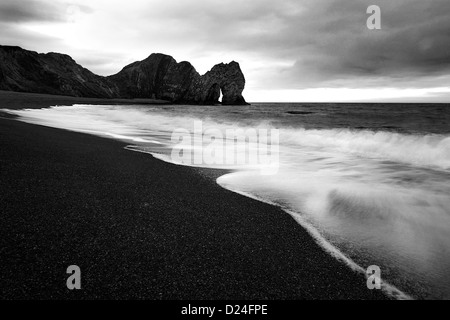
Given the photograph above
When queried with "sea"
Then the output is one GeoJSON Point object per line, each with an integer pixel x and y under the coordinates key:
{"type": "Point", "coordinates": [370, 182]}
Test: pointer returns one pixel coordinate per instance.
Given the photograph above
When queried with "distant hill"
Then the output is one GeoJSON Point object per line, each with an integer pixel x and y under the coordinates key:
{"type": "Point", "coordinates": [157, 77]}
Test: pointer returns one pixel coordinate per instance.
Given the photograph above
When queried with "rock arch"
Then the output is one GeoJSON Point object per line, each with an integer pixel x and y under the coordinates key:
{"type": "Point", "coordinates": [157, 77]}
{"type": "Point", "coordinates": [230, 80]}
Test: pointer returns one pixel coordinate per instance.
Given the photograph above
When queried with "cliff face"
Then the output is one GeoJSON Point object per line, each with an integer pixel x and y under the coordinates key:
{"type": "Point", "coordinates": [226, 77]}
{"type": "Point", "coordinates": [159, 76]}
{"type": "Point", "coordinates": [51, 73]}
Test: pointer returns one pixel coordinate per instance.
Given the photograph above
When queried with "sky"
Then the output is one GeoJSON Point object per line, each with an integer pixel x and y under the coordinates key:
{"type": "Point", "coordinates": [289, 50]}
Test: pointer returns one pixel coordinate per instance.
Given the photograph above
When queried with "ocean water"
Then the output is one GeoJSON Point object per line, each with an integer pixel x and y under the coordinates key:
{"type": "Point", "coordinates": [371, 182]}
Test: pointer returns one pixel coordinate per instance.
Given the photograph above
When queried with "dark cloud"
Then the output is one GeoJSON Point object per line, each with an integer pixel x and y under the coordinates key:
{"type": "Point", "coordinates": [17, 19]}
{"type": "Point", "coordinates": [413, 42]}
{"type": "Point", "coordinates": [18, 11]}
{"type": "Point", "coordinates": [326, 40]}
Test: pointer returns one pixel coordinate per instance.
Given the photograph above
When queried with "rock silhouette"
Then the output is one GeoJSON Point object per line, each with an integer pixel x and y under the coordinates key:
{"type": "Point", "coordinates": [51, 73]}
{"type": "Point", "coordinates": [157, 77]}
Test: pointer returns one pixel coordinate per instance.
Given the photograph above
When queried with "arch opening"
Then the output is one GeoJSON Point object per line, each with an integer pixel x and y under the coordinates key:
{"type": "Point", "coordinates": [214, 94]}
{"type": "Point", "coordinates": [220, 95]}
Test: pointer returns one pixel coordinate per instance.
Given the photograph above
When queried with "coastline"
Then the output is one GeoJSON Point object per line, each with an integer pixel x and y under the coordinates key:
{"type": "Point", "coordinates": [141, 228]}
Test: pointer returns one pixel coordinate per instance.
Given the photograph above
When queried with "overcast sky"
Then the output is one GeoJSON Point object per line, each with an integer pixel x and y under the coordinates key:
{"type": "Point", "coordinates": [289, 50]}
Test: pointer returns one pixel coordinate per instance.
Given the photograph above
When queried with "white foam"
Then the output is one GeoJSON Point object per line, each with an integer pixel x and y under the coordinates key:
{"type": "Point", "coordinates": [384, 193]}
{"type": "Point", "coordinates": [424, 150]}
{"type": "Point", "coordinates": [388, 288]}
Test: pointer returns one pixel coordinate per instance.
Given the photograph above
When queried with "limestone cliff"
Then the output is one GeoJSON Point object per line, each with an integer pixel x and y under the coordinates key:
{"type": "Point", "coordinates": [226, 77]}
{"type": "Point", "coordinates": [159, 76]}
{"type": "Point", "coordinates": [52, 73]}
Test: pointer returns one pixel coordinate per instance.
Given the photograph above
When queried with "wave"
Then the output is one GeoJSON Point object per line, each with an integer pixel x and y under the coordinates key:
{"type": "Point", "coordinates": [387, 287]}
{"type": "Point", "coordinates": [368, 197]}
{"type": "Point", "coordinates": [430, 150]}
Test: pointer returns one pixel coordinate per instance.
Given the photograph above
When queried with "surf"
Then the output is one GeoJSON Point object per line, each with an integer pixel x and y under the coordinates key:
{"type": "Point", "coordinates": [368, 196]}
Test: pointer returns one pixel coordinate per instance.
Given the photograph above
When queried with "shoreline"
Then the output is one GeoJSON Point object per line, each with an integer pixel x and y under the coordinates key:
{"type": "Point", "coordinates": [38, 100]}
{"type": "Point", "coordinates": [141, 228]}
{"type": "Point", "coordinates": [389, 289]}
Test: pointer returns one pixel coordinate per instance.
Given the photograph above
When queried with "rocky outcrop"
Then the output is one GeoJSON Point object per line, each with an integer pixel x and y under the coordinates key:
{"type": "Point", "coordinates": [157, 77]}
{"type": "Point", "coordinates": [52, 73]}
{"type": "Point", "coordinates": [225, 77]}
{"type": "Point", "coordinates": [161, 77]}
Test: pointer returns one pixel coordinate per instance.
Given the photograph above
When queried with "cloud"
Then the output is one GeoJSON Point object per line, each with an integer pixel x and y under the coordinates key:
{"type": "Point", "coordinates": [313, 43]}
{"type": "Point", "coordinates": [286, 44]}
{"type": "Point", "coordinates": [37, 11]}
{"type": "Point", "coordinates": [102, 63]}
{"type": "Point", "coordinates": [17, 36]}
{"type": "Point", "coordinates": [413, 42]}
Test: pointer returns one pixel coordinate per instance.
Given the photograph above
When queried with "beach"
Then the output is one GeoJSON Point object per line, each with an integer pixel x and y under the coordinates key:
{"type": "Point", "coordinates": [140, 228]}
